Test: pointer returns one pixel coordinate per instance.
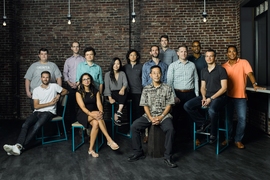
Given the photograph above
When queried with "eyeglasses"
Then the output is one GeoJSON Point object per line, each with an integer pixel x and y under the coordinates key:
{"type": "Point", "coordinates": [88, 79]}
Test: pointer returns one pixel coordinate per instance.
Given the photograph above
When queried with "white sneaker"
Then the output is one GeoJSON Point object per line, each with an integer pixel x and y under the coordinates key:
{"type": "Point", "coordinates": [12, 150]}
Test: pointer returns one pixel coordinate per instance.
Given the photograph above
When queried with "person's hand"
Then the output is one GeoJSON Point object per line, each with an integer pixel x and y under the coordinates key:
{"type": "Point", "coordinates": [122, 92]}
{"type": "Point", "coordinates": [155, 120]}
{"type": "Point", "coordinates": [96, 115]}
{"type": "Point", "coordinates": [176, 100]}
{"type": "Point", "coordinates": [111, 100]}
{"type": "Point", "coordinates": [258, 88]}
{"type": "Point", "coordinates": [29, 94]}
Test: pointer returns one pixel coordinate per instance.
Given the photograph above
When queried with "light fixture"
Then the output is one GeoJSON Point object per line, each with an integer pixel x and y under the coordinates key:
{"type": "Point", "coordinates": [4, 16]}
{"type": "Point", "coordinates": [133, 14]}
{"type": "Point", "coordinates": [204, 14]}
{"type": "Point", "coordinates": [69, 15]}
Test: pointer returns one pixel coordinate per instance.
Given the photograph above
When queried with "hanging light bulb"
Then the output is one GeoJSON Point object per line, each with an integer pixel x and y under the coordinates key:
{"type": "Point", "coordinates": [4, 16]}
{"type": "Point", "coordinates": [69, 15]}
{"type": "Point", "coordinates": [133, 14]}
{"type": "Point", "coordinates": [204, 14]}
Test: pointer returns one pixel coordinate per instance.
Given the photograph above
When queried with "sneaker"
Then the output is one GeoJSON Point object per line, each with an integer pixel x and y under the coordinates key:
{"type": "Point", "coordinates": [213, 139]}
{"type": "Point", "coordinates": [12, 149]}
{"type": "Point", "coordinates": [119, 114]}
{"type": "Point", "coordinates": [205, 126]}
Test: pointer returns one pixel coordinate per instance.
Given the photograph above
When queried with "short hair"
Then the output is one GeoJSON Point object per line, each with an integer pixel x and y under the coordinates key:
{"type": "Point", "coordinates": [164, 36]}
{"type": "Point", "coordinates": [137, 53]}
{"type": "Point", "coordinates": [155, 66]}
{"type": "Point", "coordinates": [43, 49]}
{"type": "Point", "coordinates": [154, 46]}
{"type": "Point", "coordinates": [211, 50]}
{"type": "Point", "coordinates": [232, 46]}
{"type": "Point", "coordinates": [89, 49]}
{"type": "Point", "coordinates": [184, 46]}
{"type": "Point", "coordinates": [46, 72]}
{"type": "Point", "coordinates": [75, 42]}
{"type": "Point", "coordinates": [197, 42]}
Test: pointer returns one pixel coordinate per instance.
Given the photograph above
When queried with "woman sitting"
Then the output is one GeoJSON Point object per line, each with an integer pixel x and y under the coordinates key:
{"type": "Point", "coordinates": [91, 112]}
{"type": "Point", "coordinates": [115, 87]}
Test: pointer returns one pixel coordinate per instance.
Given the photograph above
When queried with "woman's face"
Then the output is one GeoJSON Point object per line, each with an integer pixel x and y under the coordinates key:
{"type": "Point", "coordinates": [86, 81]}
{"type": "Point", "coordinates": [116, 65]}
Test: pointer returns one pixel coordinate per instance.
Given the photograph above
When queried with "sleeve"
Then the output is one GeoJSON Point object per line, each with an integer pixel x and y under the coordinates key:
{"type": "Point", "coordinates": [144, 75]}
{"type": "Point", "coordinates": [100, 76]}
{"type": "Point", "coordinates": [78, 72]}
{"type": "Point", "coordinates": [58, 88]}
{"type": "Point", "coordinates": [65, 71]}
{"type": "Point", "coordinates": [165, 69]}
{"type": "Point", "coordinates": [29, 73]}
{"type": "Point", "coordinates": [196, 80]}
{"type": "Point", "coordinates": [170, 96]}
{"type": "Point", "coordinates": [223, 73]}
{"type": "Point", "coordinates": [175, 57]}
{"type": "Point", "coordinates": [107, 90]}
{"type": "Point", "coordinates": [57, 72]}
{"type": "Point", "coordinates": [125, 82]}
{"type": "Point", "coordinates": [170, 75]}
{"type": "Point", "coordinates": [247, 67]}
{"type": "Point", "coordinates": [143, 100]}
{"type": "Point", "coordinates": [35, 94]}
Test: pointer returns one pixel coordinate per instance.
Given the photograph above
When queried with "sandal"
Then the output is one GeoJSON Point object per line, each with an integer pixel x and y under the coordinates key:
{"type": "Point", "coordinates": [113, 145]}
{"type": "Point", "coordinates": [95, 155]}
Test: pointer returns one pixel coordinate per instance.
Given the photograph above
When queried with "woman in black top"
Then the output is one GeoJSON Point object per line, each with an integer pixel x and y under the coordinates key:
{"type": "Point", "coordinates": [91, 112]}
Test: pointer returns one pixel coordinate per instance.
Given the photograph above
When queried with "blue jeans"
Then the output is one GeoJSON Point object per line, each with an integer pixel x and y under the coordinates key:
{"type": "Point", "coordinates": [192, 107]}
{"type": "Point", "coordinates": [31, 126]}
{"type": "Point", "coordinates": [240, 105]}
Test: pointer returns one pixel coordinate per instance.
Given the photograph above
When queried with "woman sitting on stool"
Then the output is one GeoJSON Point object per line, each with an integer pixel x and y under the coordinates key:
{"type": "Point", "coordinates": [115, 87]}
{"type": "Point", "coordinates": [91, 112]}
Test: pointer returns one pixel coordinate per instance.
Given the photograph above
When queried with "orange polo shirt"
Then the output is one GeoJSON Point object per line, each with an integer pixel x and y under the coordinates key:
{"type": "Point", "coordinates": [237, 78]}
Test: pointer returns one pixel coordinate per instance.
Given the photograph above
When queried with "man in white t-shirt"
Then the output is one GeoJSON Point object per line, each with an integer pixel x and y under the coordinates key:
{"type": "Point", "coordinates": [45, 98]}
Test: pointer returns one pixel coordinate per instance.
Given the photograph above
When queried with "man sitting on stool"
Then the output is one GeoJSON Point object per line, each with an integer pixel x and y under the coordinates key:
{"type": "Point", "coordinates": [213, 88]}
{"type": "Point", "coordinates": [156, 99]}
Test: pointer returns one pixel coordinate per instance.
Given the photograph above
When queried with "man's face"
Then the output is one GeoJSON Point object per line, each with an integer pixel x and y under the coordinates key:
{"type": "Point", "coordinates": [232, 54]}
{"type": "Point", "coordinates": [164, 42]}
{"type": "Point", "coordinates": [43, 56]}
{"type": "Point", "coordinates": [210, 57]}
{"type": "Point", "coordinates": [154, 52]}
{"type": "Point", "coordinates": [182, 53]}
{"type": "Point", "coordinates": [196, 47]}
{"type": "Point", "coordinates": [133, 56]}
{"type": "Point", "coordinates": [75, 48]}
{"type": "Point", "coordinates": [155, 75]}
{"type": "Point", "coordinates": [45, 78]}
{"type": "Point", "coordinates": [89, 56]}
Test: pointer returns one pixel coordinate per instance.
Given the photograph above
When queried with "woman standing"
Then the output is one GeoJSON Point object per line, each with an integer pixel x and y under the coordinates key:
{"type": "Point", "coordinates": [115, 87]}
{"type": "Point", "coordinates": [91, 112]}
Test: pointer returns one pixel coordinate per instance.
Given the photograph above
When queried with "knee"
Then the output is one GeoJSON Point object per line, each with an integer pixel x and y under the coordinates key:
{"type": "Point", "coordinates": [95, 124]}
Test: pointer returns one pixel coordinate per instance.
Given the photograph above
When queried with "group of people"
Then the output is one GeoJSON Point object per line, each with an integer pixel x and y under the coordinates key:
{"type": "Point", "coordinates": [169, 81]}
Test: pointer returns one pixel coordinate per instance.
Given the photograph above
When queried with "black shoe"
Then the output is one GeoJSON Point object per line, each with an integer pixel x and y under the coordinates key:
{"type": "Point", "coordinates": [203, 127]}
{"type": "Point", "coordinates": [213, 139]}
{"type": "Point", "coordinates": [170, 163]}
{"type": "Point", "coordinates": [136, 157]}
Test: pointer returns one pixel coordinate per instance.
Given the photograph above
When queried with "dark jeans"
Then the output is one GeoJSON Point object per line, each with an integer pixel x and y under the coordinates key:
{"type": "Point", "coordinates": [31, 126]}
{"type": "Point", "coordinates": [137, 110]}
{"type": "Point", "coordinates": [140, 124]}
{"type": "Point", "coordinates": [194, 105]}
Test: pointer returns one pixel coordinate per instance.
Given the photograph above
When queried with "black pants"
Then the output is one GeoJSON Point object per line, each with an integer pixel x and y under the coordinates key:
{"type": "Point", "coordinates": [140, 124]}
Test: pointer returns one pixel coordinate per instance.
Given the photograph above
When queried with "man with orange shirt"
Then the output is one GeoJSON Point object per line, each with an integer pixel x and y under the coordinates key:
{"type": "Point", "coordinates": [238, 70]}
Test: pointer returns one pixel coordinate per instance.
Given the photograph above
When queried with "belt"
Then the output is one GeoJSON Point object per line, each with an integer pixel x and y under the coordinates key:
{"type": "Point", "coordinates": [184, 90]}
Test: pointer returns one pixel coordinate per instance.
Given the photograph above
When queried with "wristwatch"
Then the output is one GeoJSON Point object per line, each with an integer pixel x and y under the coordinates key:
{"type": "Point", "coordinates": [255, 84]}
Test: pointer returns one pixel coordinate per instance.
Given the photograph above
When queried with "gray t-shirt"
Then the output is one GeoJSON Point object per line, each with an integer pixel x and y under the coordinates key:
{"type": "Point", "coordinates": [33, 73]}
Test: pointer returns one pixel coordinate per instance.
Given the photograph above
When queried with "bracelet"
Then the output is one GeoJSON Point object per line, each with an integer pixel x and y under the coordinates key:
{"type": "Point", "coordinates": [211, 98]}
{"type": "Point", "coordinates": [162, 115]}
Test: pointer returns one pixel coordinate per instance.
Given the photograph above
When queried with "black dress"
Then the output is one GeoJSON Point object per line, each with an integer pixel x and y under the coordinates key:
{"type": "Point", "coordinates": [90, 103]}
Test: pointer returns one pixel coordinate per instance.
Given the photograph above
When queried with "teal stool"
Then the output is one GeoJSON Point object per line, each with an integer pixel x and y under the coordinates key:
{"type": "Point", "coordinates": [219, 149]}
{"type": "Point", "coordinates": [80, 126]}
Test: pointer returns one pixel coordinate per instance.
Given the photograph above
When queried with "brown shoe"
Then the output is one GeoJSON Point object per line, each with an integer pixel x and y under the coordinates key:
{"type": "Point", "coordinates": [145, 139]}
{"type": "Point", "coordinates": [224, 143]}
{"type": "Point", "coordinates": [239, 145]}
{"type": "Point", "coordinates": [198, 142]}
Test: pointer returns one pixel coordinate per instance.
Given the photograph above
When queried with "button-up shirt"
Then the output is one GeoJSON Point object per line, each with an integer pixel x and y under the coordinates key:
{"type": "Point", "coordinates": [183, 76]}
{"type": "Point", "coordinates": [94, 70]}
{"type": "Point", "coordinates": [157, 98]}
{"type": "Point", "coordinates": [146, 80]}
{"type": "Point", "coordinates": [70, 68]}
{"type": "Point", "coordinates": [168, 56]}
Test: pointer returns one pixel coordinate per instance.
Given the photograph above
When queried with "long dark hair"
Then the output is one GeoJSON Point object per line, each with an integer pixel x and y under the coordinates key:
{"type": "Point", "coordinates": [137, 53]}
{"type": "Point", "coordinates": [111, 68]}
{"type": "Point", "coordinates": [92, 88]}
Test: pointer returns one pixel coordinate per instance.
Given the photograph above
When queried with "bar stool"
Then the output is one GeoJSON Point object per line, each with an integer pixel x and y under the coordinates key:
{"type": "Point", "coordinates": [128, 123]}
{"type": "Point", "coordinates": [207, 134]}
{"type": "Point", "coordinates": [80, 126]}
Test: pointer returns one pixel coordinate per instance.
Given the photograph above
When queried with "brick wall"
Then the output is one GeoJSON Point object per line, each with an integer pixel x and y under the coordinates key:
{"type": "Point", "coordinates": [105, 25]}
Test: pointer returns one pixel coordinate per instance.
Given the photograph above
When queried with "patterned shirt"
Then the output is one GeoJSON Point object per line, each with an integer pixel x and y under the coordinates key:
{"type": "Point", "coordinates": [183, 76]}
{"type": "Point", "coordinates": [157, 98]}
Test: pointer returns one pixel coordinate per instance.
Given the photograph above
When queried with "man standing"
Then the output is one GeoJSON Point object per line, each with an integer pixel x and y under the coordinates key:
{"type": "Point", "coordinates": [69, 73]}
{"type": "Point", "coordinates": [154, 52]}
{"type": "Point", "coordinates": [197, 58]}
{"type": "Point", "coordinates": [238, 70]}
{"type": "Point", "coordinates": [90, 67]}
{"type": "Point", "coordinates": [156, 99]}
{"type": "Point", "coordinates": [146, 80]}
{"type": "Point", "coordinates": [213, 88]}
{"type": "Point", "coordinates": [166, 55]}
{"type": "Point", "coordinates": [32, 76]}
{"type": "Point", "coordinates": [45, 98]}
{"type": "Point", "coordinates": [182, 77]}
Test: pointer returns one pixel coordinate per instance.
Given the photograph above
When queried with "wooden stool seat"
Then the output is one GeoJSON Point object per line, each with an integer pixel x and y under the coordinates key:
{"type": "Point", "coordinates": [156, 140]}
